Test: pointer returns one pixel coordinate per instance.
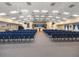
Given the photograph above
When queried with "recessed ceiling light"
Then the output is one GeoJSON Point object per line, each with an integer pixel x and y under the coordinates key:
{"type": "Point", "coordinates": [55, 11]}
{"type": "Point", "coordinates": [13, 18]}
{"type": "Point", "coordinates": [58, 20]}
{"type": "Point", "coordinates": [49, 16]}
{"type": "Point", "coordinates": [36, 15]}
{"type": "Point", "coordinates": [24, 10]}
{"type": "Point", "coordinates": [25, 19]}
{"type": "Point", "coordinates": [64, 18]}
{"type": "Point", "coordinates": [36, 11]}
{"type": "Point", "coordinates": [14, 12]}
{"type": "Point", "coordinates": [21, 16]}
{"type": "Point", "coordinates": [44, 11]}
{"type": "Point", "coordinates": [53, 19]}
{"type": "Point", "coordinates": [66, 13]}
{"type": "Point", "coordinates": [42, 16]}
{"type": "Point", "coordinates": [75, 15]}
{"type": "Point", "coordinates": [19, 20]}
{"type": "Point", "coordinates": [29, 16]}
{"type": "Point", "coordinates": [2, 14]}
{"type": "Point", "coordinates": [57, 17]}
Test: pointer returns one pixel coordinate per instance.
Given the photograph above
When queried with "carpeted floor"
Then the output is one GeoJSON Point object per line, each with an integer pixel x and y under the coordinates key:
{"type": "Point", "coordinates": [41, 47]}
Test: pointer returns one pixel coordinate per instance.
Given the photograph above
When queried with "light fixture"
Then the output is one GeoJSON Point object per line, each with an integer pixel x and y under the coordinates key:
{"type": "Point", "coordinates": [36, 15]}
{"type": "Point", "coordinates": [19, 20]}
{"type": "Point", "coordinates": [50, 16]}
{"type": "Point", "coordinates": [75, 15]}
{"type": "Point", "coordinates": [13, 18]}
{"type": "Point", "coordinates": [42, 16]}
{"type": "Point", "coordinates": [66, 13]}
{"type": "Point", "coordinates": [25, 19]}
{"type": "Point", "coordinates": [57, 17]}
{"type": "Point", "coordinates": [53, 19]}
{"type": "Point", "coordinates": [21, 16]}
{"type": "Point", "coordinates": [2, 14]}
{"type": "Point", "coordinates": [55, 11]}
{"type": "Point", "coordinates": [28, 15]}
{"type": "Point", "coordinates": [58, 20]}
{"type": "Point", "coordinates": [14, 12]}
{"type": "Point", "coordinates": [64, 18]}
{"type": "Point", "coordinates": [44, 11]}
{"type": "Point", "coordinates": [24, 10]}
{"type": "Point", "coordinates": [36, 11]}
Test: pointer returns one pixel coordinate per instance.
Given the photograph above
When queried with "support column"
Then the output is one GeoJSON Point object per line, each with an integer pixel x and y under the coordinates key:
{"type": "Point", "coordinates": [76, 28]}
{"type": "Point", "coordinates": [30, 25]}
{"type": "Point", "coordinates": [49, 25]}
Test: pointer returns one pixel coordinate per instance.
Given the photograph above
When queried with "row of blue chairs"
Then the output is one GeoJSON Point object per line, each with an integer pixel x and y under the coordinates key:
{"type": "Point", "coordinates": [62, 35]}
{"type": "Point", "coordinates": [17, 35]}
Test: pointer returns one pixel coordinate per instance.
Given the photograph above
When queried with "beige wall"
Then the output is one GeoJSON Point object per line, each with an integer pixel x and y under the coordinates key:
{"type": "Point", "coordinates": [12, 27]}
{"type": "Point", "coordinates": [30, 24]}
{"type": "Point", "coordinates": [49, 25]}
{"type": "Point", "coordinates": [8, 26]}
{"type": "Point", "coordinates": [60, 27]}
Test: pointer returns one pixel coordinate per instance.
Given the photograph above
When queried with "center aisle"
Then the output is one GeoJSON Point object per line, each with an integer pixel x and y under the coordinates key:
{"type": "Point", "coordinates": [42, 39]}
{"type": "Point", "coordinates": [41, 47]}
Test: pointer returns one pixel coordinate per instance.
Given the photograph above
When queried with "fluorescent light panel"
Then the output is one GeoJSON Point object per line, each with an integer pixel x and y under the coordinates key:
{"type": "Point", "coordinates": [49, 16]}
{"type": "Point", "coordinates": [64, 18]}
{"type": "Point", "coordinates": [2, 14]}
{"type": "Point", "coordinates": [28, 15]}
{"type": "Point", "coordinates": [13, 18]}
{"type": "Point", "coordinates": [25, 19]}
{"type": "Point", "coordinates": [14, 12]}
{"type": "Point", "coordinates": [24, 10]}
{"type": "Point", "coordinates": [75, 15]}
{"type": "Point", "coordinates": [44, 11]}
{"type": "Point", "coordinates": [42, 16]}
{"type": "Point", "coordinates": [36, 11]}
{"type": "Point", "coordinates": [57, 17]}
{"type": "Point", "coordinates": [36, 15]}
{"type": "Point", "coordinates": [58, 20]}
{"type": "Point", "coordinates": [53, 19]}
{"type": "Point", "coordinates": [21, 16]}
{"type": "Point", "coordinates": [55, 11]}
{"type": "Point", "coordinates": [66, 13]}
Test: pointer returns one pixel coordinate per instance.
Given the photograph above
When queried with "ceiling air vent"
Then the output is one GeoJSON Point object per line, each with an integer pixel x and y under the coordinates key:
{"type": "Point", "coordinates": [72, 5]}
{"type": "Point", "coordinates": [52, 4]}
{"type": "Point", "coordinates": [28, 3]}
{"type": "Point", "coordinates": [8, 4]}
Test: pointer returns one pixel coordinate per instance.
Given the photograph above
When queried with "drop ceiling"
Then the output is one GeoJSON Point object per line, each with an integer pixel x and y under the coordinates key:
{"type": "Point", "coordinates": [25, 10]}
